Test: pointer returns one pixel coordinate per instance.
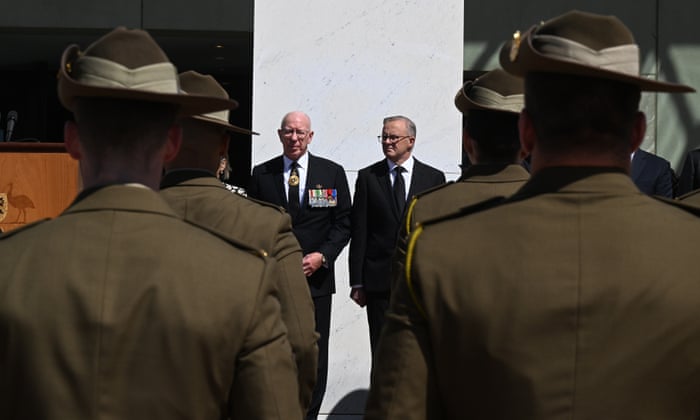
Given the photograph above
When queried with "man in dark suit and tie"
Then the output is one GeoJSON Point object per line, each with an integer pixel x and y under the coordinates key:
{"type": "Point", "coordinates": [316, 194]}
{"type": "Point", "coordinates": [378, 206]}
{"type": "Point", "coordinates": [652, 174]}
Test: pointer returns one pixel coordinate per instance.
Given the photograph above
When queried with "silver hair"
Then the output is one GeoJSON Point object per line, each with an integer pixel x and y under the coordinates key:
{"type": "Point", "coordinates": [409, 124]}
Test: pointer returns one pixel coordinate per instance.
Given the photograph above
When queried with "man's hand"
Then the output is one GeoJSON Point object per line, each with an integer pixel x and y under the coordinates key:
{"type": "Point", "coordinates": [311, 262]}
{"type": "Point", "coordinates": [359, 296]}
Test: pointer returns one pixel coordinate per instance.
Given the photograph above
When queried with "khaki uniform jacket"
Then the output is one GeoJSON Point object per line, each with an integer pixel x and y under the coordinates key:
{"type": "Point", "coordinates": [577, 298]}
{"type": "Point", "coordinates": [118, 309]}
{"type": "Point", "coordinates": [199, 197]}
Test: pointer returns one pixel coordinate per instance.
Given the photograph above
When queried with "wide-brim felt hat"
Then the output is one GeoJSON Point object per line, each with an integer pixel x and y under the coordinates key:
{"type": "Point", "coordinates": [581, 44]}
{"type": "Point", "coordinates": [128, 64]}
{"type": "Point", "coordinates": [493, 91]}
{"type": "Point", "coordinates": [196, 83]}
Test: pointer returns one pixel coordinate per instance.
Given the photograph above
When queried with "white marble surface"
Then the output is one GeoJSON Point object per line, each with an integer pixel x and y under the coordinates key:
{"type": "Point", "coordinates": [349, 65]}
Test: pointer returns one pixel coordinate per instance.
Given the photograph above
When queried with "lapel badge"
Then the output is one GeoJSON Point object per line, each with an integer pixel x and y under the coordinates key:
{"type": "Point", "coordinates": [515, 46]}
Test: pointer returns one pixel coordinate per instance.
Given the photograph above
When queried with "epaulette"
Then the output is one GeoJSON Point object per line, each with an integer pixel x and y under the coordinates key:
{"type": "Point", "coordinates": [235, 242]}
{"type": "Point", "coordinates": [679, 203]}
{"type": "Point", "coordinates": [468, 210]}
{"type": "Point", "coordinates": [22, 228]}
{"type": "Point", "coordinates": [414, 200]}
{"type": "Point", "coordinates": [431, 189]}
{"type": "Point", "coordinates": [265, 203]}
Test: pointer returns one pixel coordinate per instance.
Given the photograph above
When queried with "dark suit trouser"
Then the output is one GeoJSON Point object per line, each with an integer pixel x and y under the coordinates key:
{"type": "Point", "coordinates": [377, 305]}
{"type": "Point", "coordinates": [322, 312]}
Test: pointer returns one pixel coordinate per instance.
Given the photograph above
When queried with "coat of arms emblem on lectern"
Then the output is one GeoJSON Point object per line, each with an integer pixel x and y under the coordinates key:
{"type": "Point", "coordinates": [3, 206]}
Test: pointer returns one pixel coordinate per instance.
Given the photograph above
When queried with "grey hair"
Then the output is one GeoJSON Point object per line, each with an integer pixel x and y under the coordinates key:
{"type": "Point", "coordinates": [409, 124]}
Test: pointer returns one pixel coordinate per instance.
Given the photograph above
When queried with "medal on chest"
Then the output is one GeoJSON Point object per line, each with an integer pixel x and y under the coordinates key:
{"type": "Point", "coordinates": [293, 180]}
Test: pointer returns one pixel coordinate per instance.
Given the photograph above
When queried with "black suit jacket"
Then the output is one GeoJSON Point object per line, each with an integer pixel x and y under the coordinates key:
{"type": "Point", "coordinates": [375, 222]}
{"type": "Point", "coordinates": [689, 179]}
{"type": "Point", "coordinates": [652, 174]}
{"type": "Point", "coordinates": [318, 229]}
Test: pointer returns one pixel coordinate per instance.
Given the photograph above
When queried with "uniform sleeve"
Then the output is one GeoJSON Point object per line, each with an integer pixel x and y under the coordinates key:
{"type": "Point", "coordinates": [265, 382]}
{"type": "Point", "coordinates": [297, 308]}
{"type": "Point", "coordinates": [403, 383]}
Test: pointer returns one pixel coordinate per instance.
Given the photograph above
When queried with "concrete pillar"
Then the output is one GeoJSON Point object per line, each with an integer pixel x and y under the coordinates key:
{"type": "Point", "coordinates": [348, 65]}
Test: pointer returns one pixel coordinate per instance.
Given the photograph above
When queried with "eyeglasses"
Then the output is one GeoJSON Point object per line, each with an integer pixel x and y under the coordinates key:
{"type": "Point", "coordinates": [289, 132]}
{"type": "Point", "coordinates": [390, 139]}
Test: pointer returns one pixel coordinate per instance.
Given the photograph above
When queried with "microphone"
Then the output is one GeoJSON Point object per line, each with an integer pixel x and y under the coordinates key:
{"type": "Point", "coordinates": [11, 120]}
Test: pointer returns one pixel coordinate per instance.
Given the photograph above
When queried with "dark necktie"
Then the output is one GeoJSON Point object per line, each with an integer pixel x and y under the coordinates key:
{"type": "Point", "coordinates": [399, 189]}
{"type": "Point", "coordinates": [293, 190]}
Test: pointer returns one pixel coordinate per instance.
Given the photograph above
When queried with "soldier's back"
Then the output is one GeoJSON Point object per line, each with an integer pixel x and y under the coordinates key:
{"type": "Point", "coordinates": [119, 308]}
{"type": "Point", "coordinates": [564, 304]}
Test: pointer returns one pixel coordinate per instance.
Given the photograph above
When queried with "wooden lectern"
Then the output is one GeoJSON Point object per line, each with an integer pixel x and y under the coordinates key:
{"type": "Point", "coordinates": [37, 180]}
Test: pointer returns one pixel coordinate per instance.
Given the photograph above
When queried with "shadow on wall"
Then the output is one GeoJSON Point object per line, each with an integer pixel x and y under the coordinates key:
{"type": "Point", "coordinates": [353, 403]}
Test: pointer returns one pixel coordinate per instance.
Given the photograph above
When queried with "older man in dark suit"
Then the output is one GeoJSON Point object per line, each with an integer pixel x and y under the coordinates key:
{"type": "Point", "coordinates": [118, 308]}
{"type": "Point", "coordinates": [316, 194]}
{"type": "Point", "coordinates": [380, 197]}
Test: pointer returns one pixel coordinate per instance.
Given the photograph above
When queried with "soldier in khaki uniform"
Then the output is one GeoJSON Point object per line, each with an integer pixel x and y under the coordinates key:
{"type": "Point", "coordinates": [191, 188]}
{"type": "Point", "coordinates": [570, 299]}
{"type": "Point", "coordinates": [491, 105]}
{"type": "Point", "coordinates": [117, 308]}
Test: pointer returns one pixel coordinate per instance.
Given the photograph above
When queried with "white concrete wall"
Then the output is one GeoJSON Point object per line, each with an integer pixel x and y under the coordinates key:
{"type": "Point", "coordinates": [348, 65]}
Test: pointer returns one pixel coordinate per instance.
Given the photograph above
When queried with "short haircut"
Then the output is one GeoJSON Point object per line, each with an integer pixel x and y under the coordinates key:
{"type": "Point", "coordinates": [410, 126]}
{"type": "Point", "coordinates": [575, 113]}
{"type": "Point", "coordinates": [495, 135]}
{"type": "Point", "coordinates": [110, 127]}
